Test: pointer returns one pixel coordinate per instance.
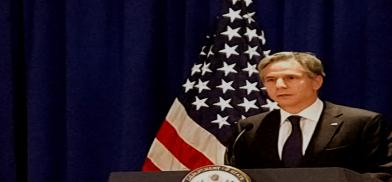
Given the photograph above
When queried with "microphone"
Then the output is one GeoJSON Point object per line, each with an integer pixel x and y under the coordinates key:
{"type": "Point", "coordinates": [245, 127]}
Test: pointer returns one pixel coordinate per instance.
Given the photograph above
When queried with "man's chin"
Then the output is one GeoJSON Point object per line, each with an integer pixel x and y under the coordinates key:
{"type": "Point", "coordinates": [284, 100]}
{"type": "Point", "coordinates": [284, 104]}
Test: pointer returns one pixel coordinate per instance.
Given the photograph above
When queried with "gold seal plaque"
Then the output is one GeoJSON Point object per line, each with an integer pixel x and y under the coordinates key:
{"type": "Point", "coordinates": [216, 173]}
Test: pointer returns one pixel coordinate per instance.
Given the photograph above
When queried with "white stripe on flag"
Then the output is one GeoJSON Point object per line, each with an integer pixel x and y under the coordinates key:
{"type": "Point", "coordinates": [162, 158]}
{"type": "Point", "coordinates": [195, 135]}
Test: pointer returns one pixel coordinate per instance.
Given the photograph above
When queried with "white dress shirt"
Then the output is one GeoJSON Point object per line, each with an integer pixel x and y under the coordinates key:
{"type": "Point", "coordinates": [310, 117]}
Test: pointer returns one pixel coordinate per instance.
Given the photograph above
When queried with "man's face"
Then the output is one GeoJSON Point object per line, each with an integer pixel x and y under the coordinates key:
{"type": "Point", "coordinates": [290, 86]}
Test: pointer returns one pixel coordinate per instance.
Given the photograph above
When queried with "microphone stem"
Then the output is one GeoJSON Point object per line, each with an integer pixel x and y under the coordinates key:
{"type": "Point", "coordinates": [232, 158]}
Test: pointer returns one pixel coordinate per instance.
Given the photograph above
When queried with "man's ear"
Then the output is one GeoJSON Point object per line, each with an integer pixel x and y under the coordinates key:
{"type": "Point", "coordinates": [318, 82]}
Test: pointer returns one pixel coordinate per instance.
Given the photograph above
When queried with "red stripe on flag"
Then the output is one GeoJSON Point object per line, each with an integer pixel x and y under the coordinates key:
{"type": "Point", "coordinates": [184, 152]}
{"type": "Point", "coordinates": [149, 166]}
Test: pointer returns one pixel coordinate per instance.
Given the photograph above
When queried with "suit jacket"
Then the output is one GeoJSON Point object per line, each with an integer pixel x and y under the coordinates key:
{"type": "Point", "coordinates": [344, 137]}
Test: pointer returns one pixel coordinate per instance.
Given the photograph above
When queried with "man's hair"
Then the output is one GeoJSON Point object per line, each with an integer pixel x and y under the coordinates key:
{"type": "Point", "coordinates": [308, 61]}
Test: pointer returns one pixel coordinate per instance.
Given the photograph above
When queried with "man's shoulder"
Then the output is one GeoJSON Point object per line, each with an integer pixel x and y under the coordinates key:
{"type": "Point", "coordinates": [258, 116]}
{"type": "Point", "coordinates": [255, 120]}
{"type": "Point", "coordinates": [348, 110]}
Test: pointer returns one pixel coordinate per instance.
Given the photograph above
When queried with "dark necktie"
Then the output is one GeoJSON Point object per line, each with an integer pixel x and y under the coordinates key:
{"type": "Point", "coordinates": [292, 149]}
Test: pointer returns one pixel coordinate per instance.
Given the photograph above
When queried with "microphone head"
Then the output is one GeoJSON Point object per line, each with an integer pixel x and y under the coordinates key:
{"type": "Point", "coordinates": [247, 126]}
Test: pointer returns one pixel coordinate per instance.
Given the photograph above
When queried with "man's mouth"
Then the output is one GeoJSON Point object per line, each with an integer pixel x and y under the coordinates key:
{"type": "Point", "coordinates": [284, 95]}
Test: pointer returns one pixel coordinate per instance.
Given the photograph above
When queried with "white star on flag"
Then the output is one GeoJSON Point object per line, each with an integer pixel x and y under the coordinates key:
{"type": "Point", "coordinates": [251, 69]}
{"type": "Point", "coordinates": [205, 68]}
{"type": "Point", "coordinates": [225, 86]}
{"type": "Point", "coordinates": [249, 87]}
{"type": "Point", "coordinates": [252, 51]}
{"type": "Point", "coordinates": [223, 104]}
{"type": "Point", "coordinates": [248, 2]}
{"type": "Point", "coordinates": [230, 33]}
{"type": "Point", "coordinates": [270, 105]}
{"type": "Point", "coordinates": [228, 68]}
{"type": "Point", "coordinates": [262, 38]}
{"type": "Point", "coordinates": [200, 103]}
{"type": "Point", "coordinates": [251, 33]}
{"type": "Point", "coordinates": [210, 52]}
{"type": "Point", "coordinates": [233, 15]}
{"type": "Point", "coordinates": [228, 51]}
{"type": "Point", "coordinates": [235, 1]}
{"type": "Point", "coordinates": [221, 121]}
{"type": "Point", "coordinates": [202, 85]}
{"type": "Point", "coordinates": [195, 69]}
{"type": "Point", "coordinates": [202, 53]}
{"type": "Point", "coordinates": [267, 52]}
{"type": "Point", "coordinates": [188, 85]}
{"type": "Point", "coordinates": [249, 17]}
{"type": "Point", "coordinates": [248, 104]}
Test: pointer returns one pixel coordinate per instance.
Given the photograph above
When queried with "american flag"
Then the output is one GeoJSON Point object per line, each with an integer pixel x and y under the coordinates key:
{"type": "Point", "coordinates": [223, 87]}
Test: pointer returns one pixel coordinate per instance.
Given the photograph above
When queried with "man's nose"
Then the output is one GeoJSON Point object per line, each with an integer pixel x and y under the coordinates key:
{"type": "Point", "coordinates": [280, 83]}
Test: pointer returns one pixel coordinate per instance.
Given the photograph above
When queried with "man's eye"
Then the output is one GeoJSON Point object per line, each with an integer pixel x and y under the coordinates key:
{"type": "Point", "coordinates": [269, 80]}
{"type": "Point", "coordinates": [291, 77]}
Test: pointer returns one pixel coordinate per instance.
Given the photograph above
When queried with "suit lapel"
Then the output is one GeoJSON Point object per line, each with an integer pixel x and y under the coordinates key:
{"type": "Point", "coordinates": [327, 127]}
{"type": "Point", "coordinates": [266, 141]}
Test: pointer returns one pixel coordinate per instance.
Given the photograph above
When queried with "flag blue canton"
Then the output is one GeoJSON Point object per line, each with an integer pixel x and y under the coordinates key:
{"type": "Point", "coordinates": [223, 86]}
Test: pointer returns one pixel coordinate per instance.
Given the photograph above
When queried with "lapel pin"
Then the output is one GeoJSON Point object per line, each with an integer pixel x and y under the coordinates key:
{"type": "Point", "coordinates": [334, 124]}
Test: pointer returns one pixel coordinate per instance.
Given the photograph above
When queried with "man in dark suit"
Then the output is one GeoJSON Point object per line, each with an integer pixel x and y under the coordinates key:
{"type": "Point", "coordinates": [308, 132]}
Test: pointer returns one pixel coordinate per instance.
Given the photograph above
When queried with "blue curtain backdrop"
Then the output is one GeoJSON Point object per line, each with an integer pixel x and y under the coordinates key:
{"type": "Point", "coordinates": [84, 85]}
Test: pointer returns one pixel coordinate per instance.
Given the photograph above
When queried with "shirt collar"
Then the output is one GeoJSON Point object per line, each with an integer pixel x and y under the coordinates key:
{"type": "Point", "coordinates": [313, 112]}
